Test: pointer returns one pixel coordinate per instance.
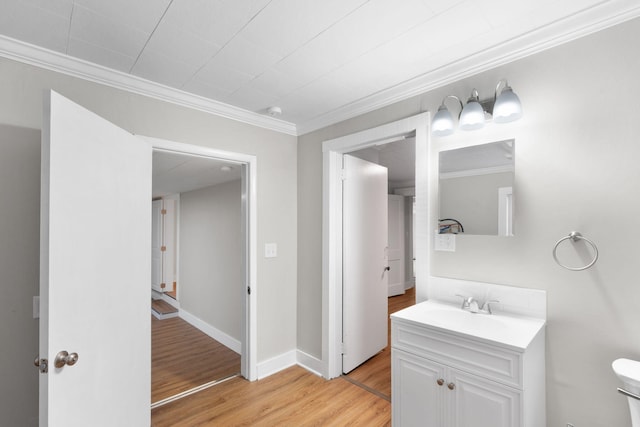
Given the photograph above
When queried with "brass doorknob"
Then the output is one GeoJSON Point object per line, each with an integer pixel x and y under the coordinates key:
{"type": "Point", "coordinates": [440, 381]}
{"type": "Point", "coordinates": [451, 386]}
{"type": "Point", "coordinates": [64, 358]}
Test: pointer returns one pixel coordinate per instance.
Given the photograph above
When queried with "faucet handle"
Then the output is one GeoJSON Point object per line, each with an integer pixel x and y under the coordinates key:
{"type": "Point", "coordinates": [465, 301]}
{"type": "Point", "coordinates": [486, 307]}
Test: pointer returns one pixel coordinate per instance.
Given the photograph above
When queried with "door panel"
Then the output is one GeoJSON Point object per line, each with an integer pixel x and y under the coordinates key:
{"type": "Point", "coordinates": [156, 246]}
{"type": "Point", "coordinates": [396, 245]}
{"type": "Point", "coordinates": [95, 269]}
{"type": "Point", "coordinates": [364, 323]}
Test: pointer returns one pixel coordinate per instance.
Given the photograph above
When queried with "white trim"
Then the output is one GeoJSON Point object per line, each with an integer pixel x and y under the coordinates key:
{"type": "Point", "coordinates": [426, 191]}
{"type": "Point", "coordinates": [249, 360]}
{"type": "Point", "coordinates": [591, 20]}
{"type": "Point", "coordinates": [213, 332]}
{"type": "Point", "coordinates": [310, 363]}
{"type": "Point", "coordinates": [17, 50]}
{"type": "Point", "coordinates": [505, 211]}
{"type": "Point", "coordinates": [276, 364]}
{"type": "Point", "coordinates": [477, 172]}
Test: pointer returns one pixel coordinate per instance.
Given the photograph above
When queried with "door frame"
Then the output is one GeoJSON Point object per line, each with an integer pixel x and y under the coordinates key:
{"type": "Point", "coordinates": [426, 184]}
{"type": "Point", "coordinates": [248, 354]}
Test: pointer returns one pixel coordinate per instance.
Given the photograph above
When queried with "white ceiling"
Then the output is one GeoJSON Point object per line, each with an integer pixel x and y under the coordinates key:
{"type": "Point", "coordinates": [175, 173]}
{"type": "Point", "coordinates": [320, 61]}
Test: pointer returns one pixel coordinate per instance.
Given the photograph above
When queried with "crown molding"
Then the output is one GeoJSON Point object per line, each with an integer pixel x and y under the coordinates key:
{"type": "Point", "coordinates": [596, 18]}
{"type": "Point", "coordinates": [54, 61]}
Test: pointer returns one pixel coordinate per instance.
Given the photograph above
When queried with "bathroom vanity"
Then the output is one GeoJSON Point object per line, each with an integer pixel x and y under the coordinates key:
{"type": "Point", "coordinates": [451, 367]}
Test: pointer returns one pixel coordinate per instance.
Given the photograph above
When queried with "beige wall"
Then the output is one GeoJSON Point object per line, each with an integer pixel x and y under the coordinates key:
{"type": "Point", "coordinates": [19, 260]}
{"type": "Point", "coordinates": [211, 278]}
{"type": "Point", "coordinates": [576, 169]}
{"type": "Point", "coordinates": [21, 89]}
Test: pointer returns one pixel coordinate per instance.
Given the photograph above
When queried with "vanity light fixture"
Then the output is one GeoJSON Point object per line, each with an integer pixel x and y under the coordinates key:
{"type": "Point", "coordinates": [472, 116]}
{"type": "Point", "coordinates": [505, 107]}
{"type": "Point", "coordinates": [442, 124]}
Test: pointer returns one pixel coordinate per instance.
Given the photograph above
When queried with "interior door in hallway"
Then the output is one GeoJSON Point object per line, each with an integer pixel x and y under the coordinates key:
{"type": "Point", "coordinates": [396, 245]}
{"type": "Point", "coordinates": [95, 267]}
{"type": "Point", "coordinates": [365, 261]}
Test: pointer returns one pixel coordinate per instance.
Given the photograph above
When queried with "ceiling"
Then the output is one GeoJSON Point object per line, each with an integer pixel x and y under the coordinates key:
{"type": "Point", "coordinates": [175, 173]}
{"type": "Point", "coordinates": [319, 61]}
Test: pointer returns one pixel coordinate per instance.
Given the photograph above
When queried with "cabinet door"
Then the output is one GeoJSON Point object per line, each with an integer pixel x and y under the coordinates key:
{"type": "Point", "coordinates": [479, 402]}
{"type": "Point", "coordinates": [416, 397]}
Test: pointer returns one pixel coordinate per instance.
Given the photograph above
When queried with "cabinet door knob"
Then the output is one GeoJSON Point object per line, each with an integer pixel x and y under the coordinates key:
{"type": "Point", "coordinates": [451, 386]}
{"type": "Point", "coordinates": [440, 381]}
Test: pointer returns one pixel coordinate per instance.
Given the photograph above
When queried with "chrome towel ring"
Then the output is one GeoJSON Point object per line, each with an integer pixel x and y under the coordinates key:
{"type": "Point", "coordinates": [575, 236]}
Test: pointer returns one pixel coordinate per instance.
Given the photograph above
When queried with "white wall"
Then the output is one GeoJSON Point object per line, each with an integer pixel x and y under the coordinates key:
{"type": "Point", "coordinates": [22, 89]}
{"type": "Point", "coordinates": [211, 277]}
{"type": "Point", "coordinates": [576, 169]}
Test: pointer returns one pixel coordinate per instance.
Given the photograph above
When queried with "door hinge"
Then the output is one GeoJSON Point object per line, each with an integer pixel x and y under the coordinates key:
{"type": "Point", "coordinates": [163, 211]}
{"type": "Point", "coordinates": [163, 248]}
{"type": "Point", "coordinates": [343, 348]}
{"type": "Point", "coordinates": [248, 290]}
{"type": "Point", "coordinates": [342, 174]}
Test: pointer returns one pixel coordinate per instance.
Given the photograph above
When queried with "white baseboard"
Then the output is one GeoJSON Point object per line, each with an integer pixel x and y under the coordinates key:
{"type": "Point", "coordinates": [276, 364]}
{"type": "Point", "coordinates": [214, 333]}
{"type": "Point", "coordinates": [310, 363]}
{"type": "Point", "coordinates": [396, 289]}
{"type": "Point", "coordinates": [409, 284]}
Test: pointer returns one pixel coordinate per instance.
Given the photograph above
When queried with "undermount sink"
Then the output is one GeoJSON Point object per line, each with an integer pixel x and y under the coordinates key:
{"type": "Point", "coordinates": [510, 331]}
{"type": "Point", "coordinates": [629, 373]}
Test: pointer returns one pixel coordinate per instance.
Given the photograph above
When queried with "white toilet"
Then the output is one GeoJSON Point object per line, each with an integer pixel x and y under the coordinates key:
{"type": "Point", "coordinates": [629, 373]}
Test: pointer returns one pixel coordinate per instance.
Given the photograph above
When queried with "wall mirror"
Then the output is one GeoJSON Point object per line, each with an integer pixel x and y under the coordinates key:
{"type": "Point", "coordinates": [476, 189]}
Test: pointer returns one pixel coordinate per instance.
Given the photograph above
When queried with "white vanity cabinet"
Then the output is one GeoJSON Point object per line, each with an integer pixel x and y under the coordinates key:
{"type": "Point", "coordinates": [443, 377]}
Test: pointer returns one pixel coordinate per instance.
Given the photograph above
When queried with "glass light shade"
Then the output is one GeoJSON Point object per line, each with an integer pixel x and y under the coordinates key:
{"type": "Point", "coordinates": [507, 107]}
{"type": "Point", "coordinates": [442, 124]}
{"type": "Point", "coordinates": [472, 116]}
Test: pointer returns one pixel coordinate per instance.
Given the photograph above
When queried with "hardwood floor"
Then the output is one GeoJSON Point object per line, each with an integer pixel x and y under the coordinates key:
{"type": "Point", "coordinates": [183, 357]}
{"type": "Point", "coordinates": [293, 397]}
{"type": "Point", "coordinates": [375, 373]}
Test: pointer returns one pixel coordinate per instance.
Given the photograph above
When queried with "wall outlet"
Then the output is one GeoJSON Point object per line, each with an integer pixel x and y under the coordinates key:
{"type": "Point", "coordinates": [270, 250]}
{"type": "Point", "coordinates": [445, 242]}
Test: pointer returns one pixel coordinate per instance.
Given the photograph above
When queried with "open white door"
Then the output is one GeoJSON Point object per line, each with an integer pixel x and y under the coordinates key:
{"type": "Point", "coordinates": [364, 288]}
{"type": "Point", "coordinates": [396, 245]}
{"type": "Point", "coordinates": [157, 262]}
{"type": "Point", "coordinates": [95, 268]}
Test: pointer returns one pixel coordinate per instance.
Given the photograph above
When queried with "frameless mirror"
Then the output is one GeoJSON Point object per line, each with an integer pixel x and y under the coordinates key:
{"type": "Point", "coordinates": [476, 189]}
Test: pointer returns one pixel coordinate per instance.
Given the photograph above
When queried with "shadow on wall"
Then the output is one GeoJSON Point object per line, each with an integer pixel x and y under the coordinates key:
{"type": "Point", "coordinates": [19, 264]}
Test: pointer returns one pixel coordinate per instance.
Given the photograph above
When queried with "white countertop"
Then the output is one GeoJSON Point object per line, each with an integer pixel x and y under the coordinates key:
{"type": "Point", "coordinates": [507, 330]}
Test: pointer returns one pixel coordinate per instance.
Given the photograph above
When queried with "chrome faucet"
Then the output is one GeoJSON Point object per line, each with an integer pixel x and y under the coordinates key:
{"type": "Point", "coordinates": [471, 304]}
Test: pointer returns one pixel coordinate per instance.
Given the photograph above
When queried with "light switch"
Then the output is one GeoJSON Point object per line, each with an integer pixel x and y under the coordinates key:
{"type": "Point", "coordinates": [270, 250]}
{"type": "Point", "coordinates": [445, 242]}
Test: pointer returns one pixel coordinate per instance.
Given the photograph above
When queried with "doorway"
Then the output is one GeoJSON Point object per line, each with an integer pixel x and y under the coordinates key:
{"type": "Point", "coordinates": [333, 150]}
{"type": "Point", "coordinates": [197, 227]}
{"type": "Point", "coordinates": [204, 165]}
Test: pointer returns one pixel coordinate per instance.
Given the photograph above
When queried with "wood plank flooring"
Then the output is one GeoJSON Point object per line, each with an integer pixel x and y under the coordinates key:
{"type": "Point", "coordinates": [375, 373]}
{"type": "Point", "coordinates": [293, 397]}
{"type": "Point", "coordinates": [183, 357]}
